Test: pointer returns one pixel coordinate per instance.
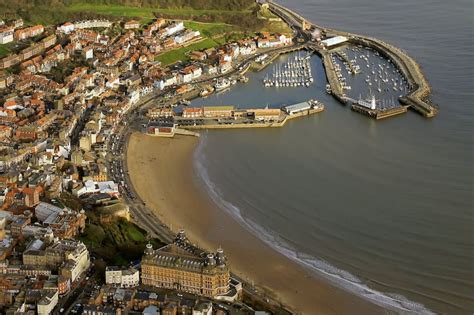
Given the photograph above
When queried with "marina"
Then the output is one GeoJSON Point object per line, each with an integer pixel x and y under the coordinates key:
{"type": "Point", "coordinates": [360, 75]}
{"type": "Point", "coordinates": [295, 72]}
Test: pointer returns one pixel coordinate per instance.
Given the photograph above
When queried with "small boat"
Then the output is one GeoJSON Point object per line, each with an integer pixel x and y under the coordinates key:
{"type": "Point", "coordinates": [222, 84]}
{"type": "Point", "coordinates": [205, 92]}
{"type": "Point", "coordinates": [328, 89]}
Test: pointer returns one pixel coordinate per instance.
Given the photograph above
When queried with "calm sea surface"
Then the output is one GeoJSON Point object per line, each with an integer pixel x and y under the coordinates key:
{"type": "Point", "coordinates": [388, 204]}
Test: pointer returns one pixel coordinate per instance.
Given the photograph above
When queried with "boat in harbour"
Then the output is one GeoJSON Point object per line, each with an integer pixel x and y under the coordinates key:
{"type": "Point", "coordinates": [222, 84]}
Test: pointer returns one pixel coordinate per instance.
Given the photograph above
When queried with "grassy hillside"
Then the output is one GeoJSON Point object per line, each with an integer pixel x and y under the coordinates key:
{"type": "Point", "coordinates": [122, 10]}
{"type": "Point", "coordinates": [209, 29]}
{"type": "Point", "coordinates": [57, 11]}
{"type": "Point", "coordinates": [117, 243]}
{"type": "Point", "coordinates": [4, 49]}
{"type": "Point", "coordinates": [180, 54]}
{"type": "Point", "coordinates": [196, 4]}
{"type": "Point", "coordinates": [217, 17]}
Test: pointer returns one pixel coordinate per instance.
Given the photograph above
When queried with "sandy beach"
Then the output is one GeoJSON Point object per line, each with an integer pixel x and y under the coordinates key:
{"type": "Point", "coordinates": [162, 173]}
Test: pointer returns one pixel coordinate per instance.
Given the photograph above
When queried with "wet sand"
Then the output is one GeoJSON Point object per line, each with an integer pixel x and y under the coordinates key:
{"type": "Point", "coordinates": [162, 173]}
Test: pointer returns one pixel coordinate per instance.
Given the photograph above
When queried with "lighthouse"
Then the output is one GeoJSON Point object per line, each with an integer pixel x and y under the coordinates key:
{"type": "Point", "coordinates": [373, 104]}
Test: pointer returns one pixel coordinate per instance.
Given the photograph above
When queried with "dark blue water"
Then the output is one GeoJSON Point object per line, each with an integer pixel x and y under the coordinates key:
{"type": "Point", "coordinates": [388, 204]}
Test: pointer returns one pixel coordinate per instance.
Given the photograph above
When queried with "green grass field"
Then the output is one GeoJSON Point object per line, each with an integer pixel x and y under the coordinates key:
{"type": "Point", "coordinates": [118, 242]}
{"type": "Point", "coordinates": [5, 49]}
{"type": "Point", "coordinates": [132, 232]}
{"type": "Point", "coordinates": [181, 53]}
{"type": "Point", "coordinates": [210, 29]}
{"type": "Point", "coordinates": [140, 12]}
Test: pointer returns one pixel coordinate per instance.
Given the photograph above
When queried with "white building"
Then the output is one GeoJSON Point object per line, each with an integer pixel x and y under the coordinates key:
{"type": "Point", "coordinates": [130, 278]}
{"type": "Point", "coordinates": [333, 41]}
{"type": "Point", "coordinates": [77, 262]}
{"type": "Point", "coordinates": [125, 278]}
{"type": "Point", "coordinates": [225, 67]}
{"type": "Point", "coordinates": [48, 302]}
{"type": "Point", "coordinates": [92, 24]}
{"type": "Point", "coordinates": [186, 36]}
{"type": "Point", "coordinates": [113, 275]}
{"type": "Point", "coordinates": [174, 28]}
{"type": "Point", "coordinates": [66, 28]}
{"type": "Point", "coordinates": [185, 77]}
{"type": "Point", "coordinates": [88, 53]}
{"type": "Point", "coordinates": [90, 187]}
{"type": "Point", "coordinates": [197, 72]}
{"type": "Point", "coordinates": [6, 35]}
{"type": "Point", "coordinates": [134, 96]}
{"type": "Point", "coordinates": [165, 82]}
{"type": "Point", "coordinates": [297, 108]}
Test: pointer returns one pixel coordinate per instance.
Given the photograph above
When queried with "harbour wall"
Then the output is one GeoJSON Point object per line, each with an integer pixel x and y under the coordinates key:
{"type": "Point", "coordinates": [380, 114]}
{"type": "Point", "coordinates": [336, 87]}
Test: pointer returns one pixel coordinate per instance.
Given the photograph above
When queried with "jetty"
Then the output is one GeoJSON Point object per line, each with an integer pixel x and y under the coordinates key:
{"type": "Point", "coordinates": [331, 75]}
{"type": "Point", "coordinates": [370, 109]}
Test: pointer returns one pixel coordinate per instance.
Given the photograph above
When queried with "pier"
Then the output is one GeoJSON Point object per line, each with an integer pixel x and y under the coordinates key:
{"type": "Point", "coordinates": [417, 99]}
{"type": "Point", "coordinates": [226, 117]}
{"type": "Point", "coordinates": [380, 114]}
{"type": "Point", "coordinates": [335, 84]}
{"type": "Point", "coordinates": [376, 113]}
{"type": "Point", "coordinates": [241, 125]}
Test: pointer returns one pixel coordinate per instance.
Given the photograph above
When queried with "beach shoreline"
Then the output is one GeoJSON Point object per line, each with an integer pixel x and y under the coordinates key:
{"type": "Point", "coordinates": [162, 173]}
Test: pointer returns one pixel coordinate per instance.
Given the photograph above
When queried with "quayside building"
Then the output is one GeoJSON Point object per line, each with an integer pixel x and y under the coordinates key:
{"type": "Point", "coordinates": [183, 267]}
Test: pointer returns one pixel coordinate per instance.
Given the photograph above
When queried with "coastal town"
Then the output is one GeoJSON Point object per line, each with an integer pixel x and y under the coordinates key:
{"type": "Point", "coordinates": [70, 97]}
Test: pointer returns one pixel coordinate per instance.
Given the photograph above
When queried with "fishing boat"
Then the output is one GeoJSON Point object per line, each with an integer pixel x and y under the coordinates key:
{"type": "Point", "coordinates": [207, 91]}
{"type": "Point", "coordinates": [222, 84]}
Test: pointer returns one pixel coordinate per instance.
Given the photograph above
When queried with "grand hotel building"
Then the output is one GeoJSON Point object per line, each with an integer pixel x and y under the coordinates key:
{"type": "Point", "coordinates": [183, 267]}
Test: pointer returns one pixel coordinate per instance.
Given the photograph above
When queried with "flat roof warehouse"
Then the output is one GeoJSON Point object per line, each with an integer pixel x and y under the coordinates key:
{"type": "Point", "coordinates": [333, 41]}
